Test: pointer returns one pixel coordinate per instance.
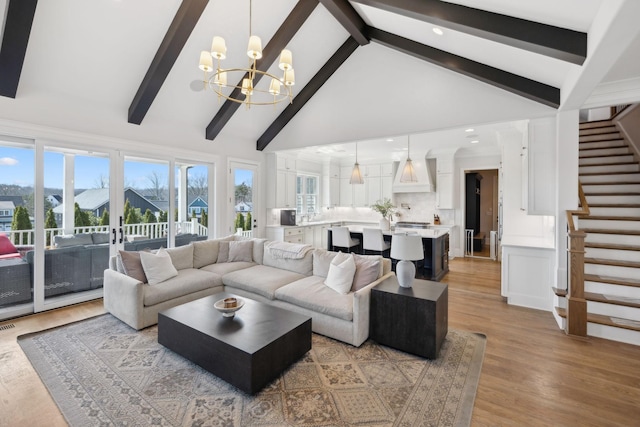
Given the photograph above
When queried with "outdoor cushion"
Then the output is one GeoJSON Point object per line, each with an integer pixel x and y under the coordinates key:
{"type": "Point", "coordinates": [186, 282]}
{"type": "Point", "coordinates": [10, 256]}
{"type": "Point", "coordinates": [66, 240]}
{"type": "Point", "coordinates": [311, 292]}
{"type": "Point", "coordinates": [100, 238]}
{"type": "Point", "coordinates": [181, 257]}
{"type": "Point", "coordinates": [6, 246]}
{"type": "Point", "coordinates": [227, 267]}
{"type": "Point", "coordinates": [260, 279]}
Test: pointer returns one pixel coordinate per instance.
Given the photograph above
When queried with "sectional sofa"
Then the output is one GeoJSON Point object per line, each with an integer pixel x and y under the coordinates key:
{"type": "Point", "coordinates": [281, 274]}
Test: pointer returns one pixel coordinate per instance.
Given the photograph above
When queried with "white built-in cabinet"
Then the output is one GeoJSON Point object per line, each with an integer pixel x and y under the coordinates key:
{"type": "Point", "coordinates": [281, 181]}
{"type": "Point", "coordinates": [314, 235]}
{"type": "Point", "coordinates": [444, 183]}
{"type": "Point", "coordinates": [378, 179]}
{"type": "Point", "coordinates": [539, 167]}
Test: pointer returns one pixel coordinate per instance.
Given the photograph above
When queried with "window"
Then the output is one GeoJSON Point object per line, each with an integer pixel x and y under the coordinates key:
{"type": "Point", "coordinates": [5, 213]}
{"type": "Point", "coordinates": [306, 194]}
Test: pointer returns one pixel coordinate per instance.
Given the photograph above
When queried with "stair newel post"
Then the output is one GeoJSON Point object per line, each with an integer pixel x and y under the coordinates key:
{"type": "Point", "coordinates": [576, 303]}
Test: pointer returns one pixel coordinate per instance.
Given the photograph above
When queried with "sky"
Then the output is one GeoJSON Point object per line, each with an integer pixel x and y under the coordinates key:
{"type": "Point", "coordinates": [17, 167]}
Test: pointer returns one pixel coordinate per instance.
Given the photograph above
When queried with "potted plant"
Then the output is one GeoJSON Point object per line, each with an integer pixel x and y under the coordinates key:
{"type": "Point", "coordinates": [387, 210]}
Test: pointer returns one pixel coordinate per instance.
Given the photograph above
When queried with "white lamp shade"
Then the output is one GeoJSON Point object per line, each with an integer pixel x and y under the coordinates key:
{"type": "Point", "coordinates": [218, 48]}
{"type": "Point", "coordinates": [356, 175]}
{"type": "Point", "coordinates": [274, 87]}
{"type": "Point", "coordinates": [254, 51]}
{"type": "Point", "coordinates": [408, 172]}
{"type": "Point", "coordinates": [289, 77]}
{"type": "Point", "coordinates": [206, 61]}
{"type": "Point", "coordinates": [220, 78]}
{"type": "Point", "coordinates": [247, 87]}
{"type": "Point", "coordinates": [406, 247]}
{"type": "Point", "coordinates": [286, 60]}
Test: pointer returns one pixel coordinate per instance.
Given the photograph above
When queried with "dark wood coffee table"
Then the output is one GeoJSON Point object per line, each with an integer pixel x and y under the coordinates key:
{"type": "Point", "coordinates": [248, 350]}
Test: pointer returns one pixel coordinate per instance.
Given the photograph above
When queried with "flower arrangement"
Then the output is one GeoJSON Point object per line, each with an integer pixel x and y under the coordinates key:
{"type": "Point", "coordinates": [385, 208]}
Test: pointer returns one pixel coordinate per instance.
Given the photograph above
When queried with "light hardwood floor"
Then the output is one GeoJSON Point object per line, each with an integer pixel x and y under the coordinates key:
{"type": "Point", "coordinates": [533, 374]}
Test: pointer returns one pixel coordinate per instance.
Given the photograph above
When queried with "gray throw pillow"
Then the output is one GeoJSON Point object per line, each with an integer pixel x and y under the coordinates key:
{"type": "Point", "coordinates": [367, 271]}
{"type": "Point", "coordinates": [223, 252]}
{"type": "Point", "coordinates": [241, 251]}
{"type": "Point", "coordinates": [131, 265]}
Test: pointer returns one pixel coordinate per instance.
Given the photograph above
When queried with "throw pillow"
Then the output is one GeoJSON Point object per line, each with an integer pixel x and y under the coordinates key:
{"type": "Point", "coordinates": [223, 252]}
{"type": "Point", "coordinates": [341, 272]}
{"type": "Point", "coordinates": [367, 271]}
{"type": "Point", "coordinates": [131, 265]}
{"type": "Point", "coordinates": [181, 257]}
{"type": "Point", "coordinates": [322, 261]}
{"type": "Point", "coordinates": [158, 267]}
{"type": "Point", "coordinates": [241, 251]}
{"type": "Point", "coordinates": [6, 246]}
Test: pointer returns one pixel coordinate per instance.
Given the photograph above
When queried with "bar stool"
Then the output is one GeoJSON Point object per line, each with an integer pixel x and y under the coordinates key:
{"type": "Point", "coordinates": [373, 241]}
{"type": "Point", "coordinates": [341, 238]}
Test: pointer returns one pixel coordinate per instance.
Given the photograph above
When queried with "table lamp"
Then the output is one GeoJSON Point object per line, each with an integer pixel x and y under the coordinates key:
{"type": "Point", "coordinates": [406, 248]}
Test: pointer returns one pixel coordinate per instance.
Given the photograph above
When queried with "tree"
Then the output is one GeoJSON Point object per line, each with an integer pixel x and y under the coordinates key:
{"type": "Point", "coordinates": [104, 219]}
{"type": "Point", "coordinates": [204, 219]}
{"type": "Point", "coordinates": [101, 182]}
{"type": "Point", "coordinates": [81, 218]}
{"type": "Point", "coordinates": [127, 209]}
{"type": "Point", "coordinates": [193, 214]}
{"type": "Point", "coordinates": [50, 222]}
{"type": "Point", "coordinates": [157, 186]}
{"type": "Point", "coordinates": [198, 186]}
{"type": "Point", "coordinates": [21, 221]}
{"type": "Point", "coordinates": [163, 216]}
{"type": "Point", "coordinates": [248, 221]}
{"type": "Point", "coordinates": [149, 217]}
{"type": "Point", "coordinates": [240, 221]}
{"type": "Point", "coordinates": [243, 192]}
{"type": "Point", "coordinates": [133, 217]}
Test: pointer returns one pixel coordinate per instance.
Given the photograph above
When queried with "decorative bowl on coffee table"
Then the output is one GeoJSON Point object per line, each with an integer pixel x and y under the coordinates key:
{"type": "Point", "coordinates": [228, 308]}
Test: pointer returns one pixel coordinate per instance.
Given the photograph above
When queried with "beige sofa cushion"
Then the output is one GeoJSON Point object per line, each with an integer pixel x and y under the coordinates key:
{"type": "Point", "coordinates": [205, 252]}
{"type": "Point", "coordinates": [312, 293]}
{"type": "Point", "coordinates": [186, 282]}
{"type": "Point", "coordinates": [227, 267]}
{"type": "Point", "coordinates": [181, 257]}
{"type": "Point", "coordinates": [261, 279]}
{"type": "Point", "coordinates": [322, 261]}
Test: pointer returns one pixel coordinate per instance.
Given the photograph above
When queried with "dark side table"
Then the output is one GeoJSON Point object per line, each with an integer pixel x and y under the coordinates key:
{"type": "Point", "coordinates": [413, 319]}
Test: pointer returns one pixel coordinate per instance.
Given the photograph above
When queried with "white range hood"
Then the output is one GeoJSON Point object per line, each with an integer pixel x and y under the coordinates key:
{"type": "Point", "coordinates": [423, 173]}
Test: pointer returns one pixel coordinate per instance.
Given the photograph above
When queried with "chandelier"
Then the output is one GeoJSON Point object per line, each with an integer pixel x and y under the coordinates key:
{"type": "Point", "coordinates": [251, 95]}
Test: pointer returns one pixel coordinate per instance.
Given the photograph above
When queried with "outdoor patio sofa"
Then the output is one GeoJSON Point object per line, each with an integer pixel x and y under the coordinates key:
{"type": "Point", "coordinates": [281, 274]}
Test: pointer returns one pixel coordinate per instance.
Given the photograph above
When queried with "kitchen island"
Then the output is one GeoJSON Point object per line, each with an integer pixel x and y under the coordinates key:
{"type": "Point", "coordinates": [435, 244]}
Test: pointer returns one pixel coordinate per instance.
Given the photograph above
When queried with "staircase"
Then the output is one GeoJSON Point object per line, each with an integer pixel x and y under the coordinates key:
{"type": "Point", "coordinates": [610, 178]}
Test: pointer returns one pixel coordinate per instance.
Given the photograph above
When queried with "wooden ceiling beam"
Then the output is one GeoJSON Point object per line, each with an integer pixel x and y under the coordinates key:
{"type": "Point", "coordinates": [299, 14]}
{"type": "Point", "coordinates": [17, 29]}
{"type": "Point", "coordinates": [531, 89]}
{"type": "Point", "coordinates": [316, 82]}
{"type": "Point", "coordinates": [174, 40]}
{"type": "Point", "coordinates": [560, 43]}
{"type": "Point", "coordinates": [347, 16]}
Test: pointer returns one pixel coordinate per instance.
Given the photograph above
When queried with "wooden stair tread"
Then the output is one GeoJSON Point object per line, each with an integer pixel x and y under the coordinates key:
{"type": "Point", "coordinates": [614, 205]}
{"type": "Point", "coordinates": [605, 231]}
{"type": "Point", "coordinates": [604, 155]}
{"type": "Point", "coordinates": [611, 299]}
{"type": "Point", "coordinates": [610, 164]}
{"type": "Point", "coordinates": [608, 173]}
{"type": "Point", "coordinates": [619, 193]}
{"type": "Point", "coordinates": [604, 320]}
{"type": "Point", "coordinates": [612, 218]}
{"type": "Point", "coordinates": [611, 246]}
{"type": "Point", "coordinates": [559, 292]}
{"type": "Point", "coordinates": [613, 262]}
{"type": "Point", "coordinates": [621, 144]}
{"type": "Point", "coordinates": [612, 280]}
{"type": "Point", "coordinates": [612, 183]}
{"type": "Point", "coordinates": [595, 123]}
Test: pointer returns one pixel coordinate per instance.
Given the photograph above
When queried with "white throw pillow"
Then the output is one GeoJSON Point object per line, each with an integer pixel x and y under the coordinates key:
{"type": "Point", "coordinates": [341, 272]}
{"type": "Point", "coordinates": [157, 267]}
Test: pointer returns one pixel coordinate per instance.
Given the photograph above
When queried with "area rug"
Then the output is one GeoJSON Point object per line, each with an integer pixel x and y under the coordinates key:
{"type": "Point", "coordinates": [101, 372]}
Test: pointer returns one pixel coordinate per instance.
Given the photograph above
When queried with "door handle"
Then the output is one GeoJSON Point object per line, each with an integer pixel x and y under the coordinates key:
{"type": "Point", "coordinates": [121, 235]}
{"type": "Point", "coordinates": [114, 236]}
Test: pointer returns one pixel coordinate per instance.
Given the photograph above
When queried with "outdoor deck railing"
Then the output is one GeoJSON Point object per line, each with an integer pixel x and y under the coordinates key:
{"type": "Point", "coordinates": [151, 230]}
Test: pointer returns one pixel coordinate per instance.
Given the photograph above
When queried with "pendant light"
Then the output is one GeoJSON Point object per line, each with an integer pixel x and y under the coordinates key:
{"type": "Point", "coordinates": [356, 175]}
{"type": "Point", "coordinates": [408, 173]}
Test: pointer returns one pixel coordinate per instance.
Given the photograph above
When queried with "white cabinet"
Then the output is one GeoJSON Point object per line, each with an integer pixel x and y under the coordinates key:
{"type": "Point", "coordinates": [346, 192]}
{"type": "Point", "coordinates": [444, 191]}
{"type": "Point", "coordinates": [281, 182]}
{"type": "Point", "coordinates": [309, 235]}
{"type": "Point", "coordinates": [378, 179]}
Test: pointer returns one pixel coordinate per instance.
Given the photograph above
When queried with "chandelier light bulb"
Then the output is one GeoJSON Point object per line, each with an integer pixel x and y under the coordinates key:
{"type": "Point", "coordinates": [254, 51]}
{"type": "Point", "coordinates": [218, 48]}
{"type": "Point", "coordinates": [247, 87]}
{"type": "Point", "coordinates": [206, 61]}
{"type": "Point", "coordinates": [289, 77]}
{"type": "Point", "coordinates": [220, 78]}
{"type": "Point", "coordinates": [274, 87]}
{"type": "Point", "coordinates": [286, 60]}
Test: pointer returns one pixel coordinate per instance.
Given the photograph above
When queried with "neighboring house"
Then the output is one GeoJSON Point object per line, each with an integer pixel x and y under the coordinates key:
{"type": "Point", "coordinates": [96, 201]}
{"type": "Point", "coordinates": [54, 199]}
{"type": "Point", "coordinates": [6, 215]}
{"type": "Point", "coordinates": [197, 206]}
{"type": "Point", "coordinates": [244, 207]}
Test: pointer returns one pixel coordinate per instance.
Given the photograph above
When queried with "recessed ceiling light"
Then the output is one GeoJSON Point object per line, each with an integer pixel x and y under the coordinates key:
{"type": "Point", "coordinates": [389, 139]}
{"type": "Point", "coordinates": [438, 31]}
{"type": "Point", "coordinates": [469, 130]}
{"type": "Point", "coordinates": [475, 141]}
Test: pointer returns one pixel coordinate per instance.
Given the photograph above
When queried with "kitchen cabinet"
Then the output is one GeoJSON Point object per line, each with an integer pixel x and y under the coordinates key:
{"type": "Point", "coordinates": [309, 235]}
{"type": "Point", "coordinates": [346, 192]}
{"type": "Point", "coordinates": [281, 181]}
{"type": "Point", "coordinates": [444, 191]}
{"type": "Point", "coordinates": [378, 179]}
{"type": "Point", "coordinates": [286, 234]}
{"type": "Point", "coordinates": [330, 184]}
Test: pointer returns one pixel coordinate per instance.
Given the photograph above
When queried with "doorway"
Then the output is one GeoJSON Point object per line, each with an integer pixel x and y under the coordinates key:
{"type": "Point", "coordinates": [482, 222]}
{"type": "Point", "coordinates": [242, 205]}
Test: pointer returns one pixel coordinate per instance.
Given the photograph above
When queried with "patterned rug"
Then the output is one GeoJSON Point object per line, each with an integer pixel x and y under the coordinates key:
{"type": "Point", "coordinates": [101, 372]}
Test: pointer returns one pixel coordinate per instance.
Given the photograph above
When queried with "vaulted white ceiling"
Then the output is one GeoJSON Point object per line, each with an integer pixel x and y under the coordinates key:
{"type": "Point", "coordinates": [86, 59]}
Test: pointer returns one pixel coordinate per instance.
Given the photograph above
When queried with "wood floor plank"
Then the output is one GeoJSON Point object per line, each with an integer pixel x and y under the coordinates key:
{"type": "Point", "coordinates": [533, 374]}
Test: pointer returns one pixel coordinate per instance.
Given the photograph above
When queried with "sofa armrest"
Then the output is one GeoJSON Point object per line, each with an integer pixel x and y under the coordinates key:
{"type": "Point", "coordinates": [361, 300]}
{"type": "Point", "coordinates": [124, 298]}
